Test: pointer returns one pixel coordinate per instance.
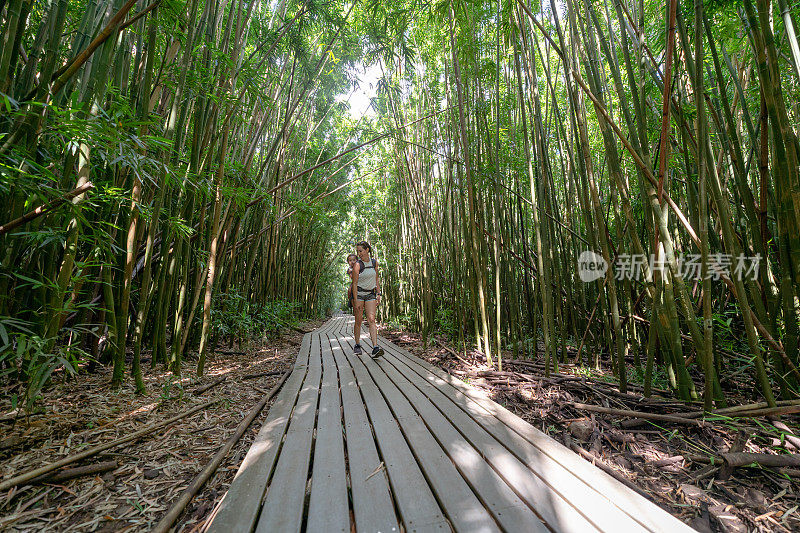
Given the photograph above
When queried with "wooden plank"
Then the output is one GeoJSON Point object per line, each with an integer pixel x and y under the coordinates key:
{"type": "Point", "coordinates": [609, 509]}
{"type": "Point", "coordinates": [510, 511]}
{"type": "Point", "coordinates": [302, 356]}
{"type": "Point", "coordinates": [239, 508]}
{"type": "Point", "coordinates": [372, 500]}
{"type": "Point", "coordinates": [285, 501]}
{"type": "Point", "coordinates": [464, 510]}
{"type": "Point", "coordinates": [335, 325]}
{"type": "Point", "coordinates": [325, 327]}
{"type": "Point", "coordinates": [329, 509]}
{"type": "Point", "coordinates": [341, 326]}
{"type": "Point", "coordinates": [418, 507]}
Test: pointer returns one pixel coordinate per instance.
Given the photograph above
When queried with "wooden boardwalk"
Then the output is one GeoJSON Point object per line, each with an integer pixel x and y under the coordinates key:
{"type": "Point", "coordinates": [396, 444]}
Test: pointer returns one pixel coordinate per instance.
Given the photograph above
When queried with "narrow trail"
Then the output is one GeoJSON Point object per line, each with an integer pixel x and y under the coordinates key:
{"type": "Point", "coordinates": [393, 442]}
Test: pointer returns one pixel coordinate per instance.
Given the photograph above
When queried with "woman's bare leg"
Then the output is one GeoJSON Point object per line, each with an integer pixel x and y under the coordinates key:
{"type": "Point", "coordinates": [358, 312]}
{"type": "Point", "coordinates": [371, 305]}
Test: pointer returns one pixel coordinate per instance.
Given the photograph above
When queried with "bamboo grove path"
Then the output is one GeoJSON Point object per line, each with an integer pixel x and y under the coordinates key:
{"type": "Point", "coordinates": [396, 444]}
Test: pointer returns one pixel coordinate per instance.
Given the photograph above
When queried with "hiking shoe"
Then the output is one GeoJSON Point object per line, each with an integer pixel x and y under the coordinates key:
{"type": "Point", "coordinates": [357, 349]}
{"type": "Point", "coordinates": [377, 352]}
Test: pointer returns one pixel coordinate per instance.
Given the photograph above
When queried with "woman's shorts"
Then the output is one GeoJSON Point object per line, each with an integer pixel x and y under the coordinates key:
{"type": "Point", "coordinates": [366, 296]}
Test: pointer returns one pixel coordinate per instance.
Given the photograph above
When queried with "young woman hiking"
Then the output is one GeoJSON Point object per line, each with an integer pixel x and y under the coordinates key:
{"type": "Point", "coordinates": [367, 288]}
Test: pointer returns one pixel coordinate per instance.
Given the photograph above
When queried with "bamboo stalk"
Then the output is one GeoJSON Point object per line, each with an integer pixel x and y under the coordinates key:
{"type": "Point", "coordinates": [44, 209]}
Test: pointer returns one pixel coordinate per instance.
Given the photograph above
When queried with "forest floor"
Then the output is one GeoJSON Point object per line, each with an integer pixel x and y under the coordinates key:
{"type": "Point", "coordinates": [145, 476]}
{"type": "Point", "coordinates": [677, 466]}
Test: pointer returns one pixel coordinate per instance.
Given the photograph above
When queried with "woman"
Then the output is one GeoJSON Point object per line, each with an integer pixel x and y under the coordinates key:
{"type": "Point", "coordinates": [367, 288]}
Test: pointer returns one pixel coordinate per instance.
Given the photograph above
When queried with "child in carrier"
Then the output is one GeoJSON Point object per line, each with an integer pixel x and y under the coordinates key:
{"type": "Point", "coordinates": [351, 261]}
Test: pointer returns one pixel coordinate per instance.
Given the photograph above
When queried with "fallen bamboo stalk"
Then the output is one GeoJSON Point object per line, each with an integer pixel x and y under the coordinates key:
{"type": "Point", "coordinates": [763, 459]}
{"type": "Point", "coordinates": [668, 461]}
{"type": "Point", "coordinates": [754, 413]}
{"type": "Point", "coordinates": [599, 463]}
{"type": "Point", "coordinates": [521, 379]}
{"type": "Point", "coordinates": [263, 374]}
{"type": "Point", "coordinates": [453, 352]}
{"type": "Point", "coordinates": [183, 500]}
{"type": "Point", "coordinates": [80, 471]}
{"type": "Point", "coordinates": [594, 381]}
{"type": "Point", "coordinates": [736, 409]}
{"type": "Point", "coordinates": [201, 390]}
{"type": "Point", "coordinates": [632, 423]}
{"type": "Point", "coordinates": [16, 414]}
{"type": "Point", "coordinates": [788, 433]}
{"type": "Point", "coordinates": [769, 411]}
{"type": "Point", "coordinates": [793, 473]}
{"type": "Point", "coordinates": [702, 459]}
{"type": "Point", "coordinates": [497, 374]}
{"type": "Point", "coordinates": [566, 380]}
{"type": "Point", "coordinates": [36, 472]}
{"type": "Point", "coordinates": [637, 414]}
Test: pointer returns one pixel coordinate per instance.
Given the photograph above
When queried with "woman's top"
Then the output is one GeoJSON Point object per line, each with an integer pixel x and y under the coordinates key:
{"type": "Point", "coordinates": [367, 275]}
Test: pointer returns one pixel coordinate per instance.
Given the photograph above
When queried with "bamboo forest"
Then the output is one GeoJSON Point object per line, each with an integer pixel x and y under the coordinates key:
{"type": "Point", "coordinates": [586, 210]}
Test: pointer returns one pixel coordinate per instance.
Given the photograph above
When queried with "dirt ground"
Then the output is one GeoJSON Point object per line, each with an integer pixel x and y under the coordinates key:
{"type": "Point", "coordinates": [676, 466]}
{"type": "Point", "coordinates": [151, 472]}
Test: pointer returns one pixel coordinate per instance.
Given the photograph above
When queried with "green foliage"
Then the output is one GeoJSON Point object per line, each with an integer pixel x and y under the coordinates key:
{"type": "Point", "coordinates": [587, 372]}
{"type": "Point", "coordinates": [276, 314]}
{"type": "Point", "coordinates": [660, 379]}
{"type": "Point", "coordinates": [234, 317]}
{"type": "Point", "coordinates": [154, 163]}
{"type": "Point", "coordinates": [28, 359]}
{"type": "Point", "coordinates": [402, 321]}
{"type": "Point", "coordinates": [171, 389]}
{"type": "Point", "coordinates": [32, 361]}
{"type": "Point", "coordinates": [446, 322]}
